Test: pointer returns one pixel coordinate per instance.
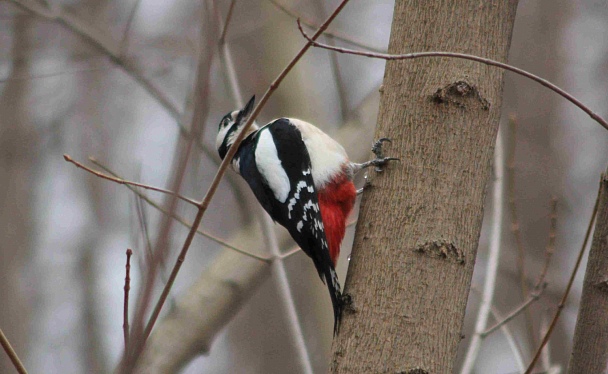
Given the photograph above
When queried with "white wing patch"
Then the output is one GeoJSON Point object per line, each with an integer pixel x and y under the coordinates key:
{"type": "Point", "coordinates": [269, 165]}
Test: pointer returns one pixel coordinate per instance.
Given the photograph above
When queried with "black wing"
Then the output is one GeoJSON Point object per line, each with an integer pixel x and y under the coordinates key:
{"type": "Point", "coordinates": [299, 213]}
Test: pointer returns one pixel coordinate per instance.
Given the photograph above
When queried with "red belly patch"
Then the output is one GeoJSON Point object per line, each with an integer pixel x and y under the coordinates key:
{"type": "Point", "coordinates": [336, 201]}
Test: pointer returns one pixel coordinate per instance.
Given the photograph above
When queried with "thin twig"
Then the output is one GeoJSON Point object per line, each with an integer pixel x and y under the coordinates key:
{"type": "Point", "coordinates": [114, 50]}
{"type": "Point", "coordinates": [550, 249]}
{"type": "Point", "coordinates": [515, 225]}
{"type": "Point", "coordinates": [8, 348]}
{"type": "Point", "coordinates": [550, 243]}
{"type": "Point", "coordinates": [335, 66]}
{"type": "Point", "coordinates": [127, 183]}
{"type": "Point", "coordinates": [125, 316]}
{"type": "Point", "coordinates": [493, 255]}
{"type": "Point", "coordinates": [546, 355]}
{"type": "Point", "coordinates": [222, 169]}
{"type": "Point", "coordinates": [198, 95]}
{"type": "Point", "coordinates": [333, 34]}
{"type": "Point", "coordinates": [159, 256]}
{"type": "Point", "coordinates": [228, 18]}
{"type": "Point", "coordinates": [278, 267]}
{"type": "Point", "coordinates": [182, 220]}
{"type": "Point", "coordinates": [517, 353]}
{"type": "Point", "coordinates": [288, 302]}
{"type": "Point", "coordinates": [515, 348]}
{"type": "Point", "coordinates": [483, 60]}
{"type": "Point", "coordinates": [226, 57]}
{"type": "Point", "coordinates": [562, 302]}
{"type": "Point", "coordinates": [535, 295]}
{"type": "Point", "coordinates": [124, 45]}
{"type": "Point", "coordinates": [103, 42]}
{"type": "Point", "coordinates": [143, 225]}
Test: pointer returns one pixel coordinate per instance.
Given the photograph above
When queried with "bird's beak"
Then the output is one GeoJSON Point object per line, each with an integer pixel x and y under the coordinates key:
{"type": "Point", "coordinates": [248, 108]}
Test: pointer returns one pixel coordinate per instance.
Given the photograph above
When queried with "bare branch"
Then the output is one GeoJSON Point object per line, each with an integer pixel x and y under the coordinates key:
{"type": "Point", "coordinates": [279, 272]}
{"type": "Point", "coordinates": [333, 34]}
{"type": "Point", "coordinates": [550, 244]}
{"type": "Point", "coordinates": [515, 226]}
{"type": "Point", "coordinates": [222, 169]}
{"type": "Point", "coordinates": [483, 60]}
{"type": "Point", "coordinates": [535, 295]}
{"type": "Point", "coordinates": [181, 220]}
{"type": "Point", "coordinates": [8, 348]}
{"type": "Point", "coordinates": [517, 354]}
{"type": "Point", "coordinates": [115, 52]}
{"type": "Point", "coordinates": [228, 18]}
{"type": "Point", "coordinates": [515, 348]}
{"type": "Point", "coordinates": [125, 324]}
{"type": "Point", "coordinates": [124, 43]}
{"type": "Point", "coordinates": [493, 255]}
{"type": "Point", "coordinates": [127, 183]}
{"type": "Point", "coordinates": [562, 302]}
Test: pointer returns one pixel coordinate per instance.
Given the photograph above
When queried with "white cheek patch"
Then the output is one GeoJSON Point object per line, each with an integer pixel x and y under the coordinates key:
{"type": "Point", "coordinates": [220, 136]}
{"type": "Point", "coordinates": [269, 165]}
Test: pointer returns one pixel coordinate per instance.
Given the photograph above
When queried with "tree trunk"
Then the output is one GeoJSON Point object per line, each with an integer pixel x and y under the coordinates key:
{"type": "Point", "coordinates": [420, 221]}
{"type": "Point", "coordinates": [590, 353]}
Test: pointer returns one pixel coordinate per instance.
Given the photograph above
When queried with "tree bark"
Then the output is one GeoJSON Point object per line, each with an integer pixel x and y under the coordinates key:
{"type": "Point", "coordinates": [590, 353]}
{"type": "Point", "coordinates": [420, 221]}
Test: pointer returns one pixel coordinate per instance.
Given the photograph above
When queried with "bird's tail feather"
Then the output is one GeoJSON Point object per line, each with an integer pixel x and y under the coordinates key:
{"type": "Point", "coordinates": [336, 296]}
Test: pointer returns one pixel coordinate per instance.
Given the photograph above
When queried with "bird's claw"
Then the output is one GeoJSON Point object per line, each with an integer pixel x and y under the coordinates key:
{"type": "Point", "coordinates": [377, 147]}
{"type": "Point", "coordinates": [380, 160]}
{"type": "Point", "coordinates": [347, 303]}
{"type": "Point", "coordinates": [379, 163]}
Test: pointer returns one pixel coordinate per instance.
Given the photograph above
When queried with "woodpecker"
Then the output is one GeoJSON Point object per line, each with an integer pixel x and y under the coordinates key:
{"type": "Point", "coordinates": [304, 180]}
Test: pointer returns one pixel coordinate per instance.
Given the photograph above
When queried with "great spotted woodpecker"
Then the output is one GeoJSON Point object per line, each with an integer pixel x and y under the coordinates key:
{"type": "Point", "coordinates": [304, 180]}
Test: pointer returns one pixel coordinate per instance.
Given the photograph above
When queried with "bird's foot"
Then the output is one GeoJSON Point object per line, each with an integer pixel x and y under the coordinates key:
{"type": "Point", "coordinates": [347, 303]}
{"type": "Point", "coordinates": [380, 161]}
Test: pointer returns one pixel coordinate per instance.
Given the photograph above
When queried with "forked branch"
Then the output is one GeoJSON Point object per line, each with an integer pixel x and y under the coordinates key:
{"type": "Point", "coordinates": [128, 183]}
{"type": "Point", "coordinates": [562, 302]}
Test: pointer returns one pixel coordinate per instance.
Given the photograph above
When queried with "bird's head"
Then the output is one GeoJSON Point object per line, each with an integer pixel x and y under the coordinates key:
{"type": "Point", "coordinates": [230, 127]}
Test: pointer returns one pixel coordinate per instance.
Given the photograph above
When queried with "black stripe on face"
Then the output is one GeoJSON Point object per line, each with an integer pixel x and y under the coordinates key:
{"type": "Point", "coordinates": [223, 149]}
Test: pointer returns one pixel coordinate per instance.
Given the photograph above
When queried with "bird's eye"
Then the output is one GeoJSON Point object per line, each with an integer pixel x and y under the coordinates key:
{"type": "Point", "coordinates": [225, 121]}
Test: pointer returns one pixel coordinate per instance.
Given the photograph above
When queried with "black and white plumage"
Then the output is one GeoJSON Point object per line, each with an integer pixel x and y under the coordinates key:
{"type": "Point", "coordinates": [303, 179]}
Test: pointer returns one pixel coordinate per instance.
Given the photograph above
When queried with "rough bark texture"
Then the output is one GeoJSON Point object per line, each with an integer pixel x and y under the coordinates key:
{"type": "Point", "coordinates": [590, 352]}
{"type": "Point", "coordinates": [419, 224]}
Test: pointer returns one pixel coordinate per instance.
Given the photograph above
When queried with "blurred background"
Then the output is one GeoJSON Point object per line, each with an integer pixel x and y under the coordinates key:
{"type": "Point", "coordinates": [136, 84]}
